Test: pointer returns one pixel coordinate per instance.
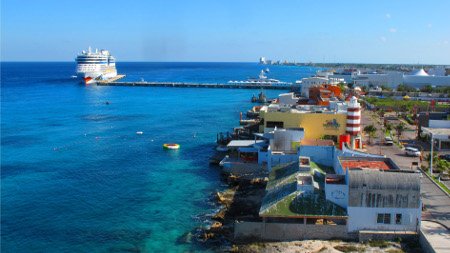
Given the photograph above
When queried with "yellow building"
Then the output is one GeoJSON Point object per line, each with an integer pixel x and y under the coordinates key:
{"type": "Point", "coordinates": [316, 125]}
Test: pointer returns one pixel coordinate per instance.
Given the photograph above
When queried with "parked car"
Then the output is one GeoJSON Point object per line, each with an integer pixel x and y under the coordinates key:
{"type": "Point", "coordinates": [410, 151]}
{"type": "Point", "coordinates": [388, 141]}
{"type": "Point", "coordinates": [445, 157]}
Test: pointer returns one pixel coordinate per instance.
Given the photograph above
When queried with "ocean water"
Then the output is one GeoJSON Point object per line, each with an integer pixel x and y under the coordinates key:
{"type": "Point", "coordinates": [75, 176]}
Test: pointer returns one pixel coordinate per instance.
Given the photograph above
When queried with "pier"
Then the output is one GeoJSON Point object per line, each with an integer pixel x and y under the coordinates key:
{"type": "Point", "coordinates": [194, 85]}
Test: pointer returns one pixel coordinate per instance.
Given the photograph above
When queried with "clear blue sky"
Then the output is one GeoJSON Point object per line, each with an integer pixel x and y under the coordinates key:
{"type": "Point", "coordinates": [382, 31]}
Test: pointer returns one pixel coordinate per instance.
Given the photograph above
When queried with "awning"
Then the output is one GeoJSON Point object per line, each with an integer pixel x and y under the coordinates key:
{"type": "Point", "coordinates": [438, 133]}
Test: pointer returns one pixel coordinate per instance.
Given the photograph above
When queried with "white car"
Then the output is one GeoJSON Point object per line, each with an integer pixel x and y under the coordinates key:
{"type": "Point", "coordinates": [412, 151]}
{"type": "Point", "coordinates": [388, 141]}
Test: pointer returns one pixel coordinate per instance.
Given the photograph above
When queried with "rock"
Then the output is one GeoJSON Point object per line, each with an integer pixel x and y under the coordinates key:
{"type": "Point", "coordinates": [186, 238]}
{"type": "Point", "coordinates": [220, 215]}
{"type": "Point", "coordinates": [216, 225]}
{"type": "Point", "coordinates": [208, 235]}
{"type": "Point", "coordinates": [220, 198]}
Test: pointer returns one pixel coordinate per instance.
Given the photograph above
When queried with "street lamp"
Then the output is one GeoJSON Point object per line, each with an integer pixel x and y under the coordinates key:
{"type": "Point", "coordinates": [431, 156]}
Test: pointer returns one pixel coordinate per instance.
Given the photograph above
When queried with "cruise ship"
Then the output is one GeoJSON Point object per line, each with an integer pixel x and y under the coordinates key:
{"type": "Point", "coordinates": [95, 66]}
{"type": "Point", "coordinates": [262, 80]}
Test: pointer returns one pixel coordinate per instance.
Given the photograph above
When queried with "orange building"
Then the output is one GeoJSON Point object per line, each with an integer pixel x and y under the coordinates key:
{"type": "Point", "coordinates": [322, 94]}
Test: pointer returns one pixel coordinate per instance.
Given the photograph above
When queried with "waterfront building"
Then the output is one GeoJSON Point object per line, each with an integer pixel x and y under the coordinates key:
{"type": "Point", "coordinates": [307, 83]}
{"type": "Point", "coordinates": [318, 122]}
{"type": "Point", "coordinates": [358, 197]}
{"type": "Point", "coordinates": [376, 193]}
{"type": "Point", "coordinates": [323, 94]}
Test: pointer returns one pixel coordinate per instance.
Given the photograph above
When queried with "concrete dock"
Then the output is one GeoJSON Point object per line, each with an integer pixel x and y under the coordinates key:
{"type": "Point", "coordinates": [112, 79]}
{"type": "Point", "coordinates": [193, 85]}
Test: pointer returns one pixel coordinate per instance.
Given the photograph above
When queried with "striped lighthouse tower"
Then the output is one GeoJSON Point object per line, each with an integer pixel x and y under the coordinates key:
{"type": "Point", "coordinates": [353, 127]}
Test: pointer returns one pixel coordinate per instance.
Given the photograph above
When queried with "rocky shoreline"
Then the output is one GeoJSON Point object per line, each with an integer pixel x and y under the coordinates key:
{"type": "Point", "coordinates": [241, 201]}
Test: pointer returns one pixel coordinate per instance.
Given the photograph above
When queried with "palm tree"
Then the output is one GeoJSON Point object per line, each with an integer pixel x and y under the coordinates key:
{"type": "Point", "coordinates": [389, 128]}
{"type": "Point", "coordinates": [400, 128]}
{"type": "Point", "coordinates": [371, 130]}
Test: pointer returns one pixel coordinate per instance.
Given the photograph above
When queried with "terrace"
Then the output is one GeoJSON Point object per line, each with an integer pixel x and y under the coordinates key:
{"type": "Point", "coordinates": [286, 193]}
{"type": "Point", "coordinates": [367, 163]}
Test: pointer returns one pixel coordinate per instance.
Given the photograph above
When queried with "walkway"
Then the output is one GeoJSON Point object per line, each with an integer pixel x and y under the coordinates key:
{"type": "Point", "coordinates": [437, 236]}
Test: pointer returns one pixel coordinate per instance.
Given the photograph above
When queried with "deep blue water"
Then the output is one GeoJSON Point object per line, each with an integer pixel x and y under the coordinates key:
{"type": "Point", "coordinates": [75, 177]}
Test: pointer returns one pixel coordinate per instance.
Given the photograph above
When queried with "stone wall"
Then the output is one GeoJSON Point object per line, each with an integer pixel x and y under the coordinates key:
{"type": "Point", "coordinates": [319, 154]}
{"type": "Point", "coordinates": [365, 236]}
{"type": "Point", "coordinates": [288, 231]}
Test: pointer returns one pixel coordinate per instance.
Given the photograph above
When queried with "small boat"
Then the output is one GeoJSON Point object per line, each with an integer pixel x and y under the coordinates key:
{"type": "Point", "coordinates": [139, 132]}
{"type": "Point", "coordinates": [222, 148]}
{"type": "Point", "coordinates": [171, 146]}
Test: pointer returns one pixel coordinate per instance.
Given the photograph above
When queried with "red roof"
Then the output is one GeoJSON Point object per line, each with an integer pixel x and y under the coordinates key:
{"type": "Point", "coordinates": [365, 164]}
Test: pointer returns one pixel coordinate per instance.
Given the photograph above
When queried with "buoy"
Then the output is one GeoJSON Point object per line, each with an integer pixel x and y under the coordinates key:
{"type": "Point", "coordinates": [171, 146]}
{"type": "Point", "coordinates": [139, 132]}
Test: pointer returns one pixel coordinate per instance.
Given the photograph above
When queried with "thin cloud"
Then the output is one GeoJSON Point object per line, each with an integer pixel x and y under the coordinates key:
{"type": "Point", "coordinates": [388, 16]}
{"type": "Point", "coordinates": [392, 30]}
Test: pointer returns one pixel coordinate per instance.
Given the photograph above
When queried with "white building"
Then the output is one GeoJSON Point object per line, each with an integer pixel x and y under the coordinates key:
{"type": "Point", "coordinates": [420, 78]}
{"type": "Point", "coordinates": [391, 78]}
{"type": "Point", "coordinates": [416, 78]}
{"type": "Point", "coordinates": [376, 193]}
{"type": "Point", "coordinates": [309, 82]}
{"type": "Point", "coordinates": [287, 99]}
{"type": "Point", "coordinates": [383, 201]}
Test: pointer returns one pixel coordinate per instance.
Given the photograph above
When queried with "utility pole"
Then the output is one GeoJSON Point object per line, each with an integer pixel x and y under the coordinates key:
{"type": "Point", "coordinates": [431, 156]}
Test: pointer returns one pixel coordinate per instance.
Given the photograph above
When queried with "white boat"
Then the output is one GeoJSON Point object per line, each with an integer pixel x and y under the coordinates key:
{"type": "Point", "coordinates": [262, 79]}
{"type": "Point", "coordinates": [95, 66]}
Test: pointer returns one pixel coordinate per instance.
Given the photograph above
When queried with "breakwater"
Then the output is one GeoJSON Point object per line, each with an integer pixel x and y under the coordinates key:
{"type": "Point", "coordinates": [197, 85]}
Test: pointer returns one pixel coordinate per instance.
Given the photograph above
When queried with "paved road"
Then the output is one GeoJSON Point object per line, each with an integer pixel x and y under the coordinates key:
{"type": "Point", "coordinates": [437, 236]}
{"type": "Point", "coordinates": [437, 203]}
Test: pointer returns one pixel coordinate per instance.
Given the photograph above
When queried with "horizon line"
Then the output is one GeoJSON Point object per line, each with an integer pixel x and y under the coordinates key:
{"type": "Point", "coordinates": [306, 63]}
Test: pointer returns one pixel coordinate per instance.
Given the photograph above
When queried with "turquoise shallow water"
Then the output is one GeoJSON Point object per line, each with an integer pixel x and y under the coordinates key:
{"type": "Point", "coordinates": [75, 177]}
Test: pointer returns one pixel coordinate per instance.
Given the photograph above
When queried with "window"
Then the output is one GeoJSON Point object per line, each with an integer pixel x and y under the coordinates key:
{"type": "Point", "coordinates": [398, 218]}
{"type": "Point", "coordinates": [273, 124]}
{"type": "Point", "coordinates": [384, 218]}
{"type": "Point", "coordinates": [387, 218]}
{"type": "Point", "coordinates": [380, 218]}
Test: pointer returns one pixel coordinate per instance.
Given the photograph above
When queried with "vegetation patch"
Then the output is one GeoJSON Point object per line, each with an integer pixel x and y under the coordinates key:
{"type": "Point", "coordinates": [349, 248]}
{"type": "Point", "coordinates": [379, 244]}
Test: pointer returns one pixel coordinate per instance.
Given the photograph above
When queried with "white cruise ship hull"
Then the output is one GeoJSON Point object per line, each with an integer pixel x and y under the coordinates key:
{"type": "Point", "coordinates": [92, 77]}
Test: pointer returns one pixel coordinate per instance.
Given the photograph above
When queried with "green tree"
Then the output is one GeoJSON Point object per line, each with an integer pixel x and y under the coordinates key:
{"type": "Point", "coordinates": [406, 88]}
{"type": "Point", "coordinates": [389, 127]}
{"type": "Point", "coordinates": [386, 88]}
{"type": "Point", "coordinates": [371, 130]}
{"type": "Point", "coordinates": [342, 87]}
{"type": "Point", "coordinates": [427, 88]}
{"type": "Point", "coordinates": [399, 129]}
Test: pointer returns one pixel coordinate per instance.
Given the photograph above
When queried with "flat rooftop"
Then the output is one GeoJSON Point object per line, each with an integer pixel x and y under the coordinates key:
{"type": "Point", "coordinates": [314, 142]}
{"type": "Point", "coordinates": [243, 143]}
{"type": "Point", "coordinates": [367, 163]}
{"type": "Point", "coordinates": [438, 133]}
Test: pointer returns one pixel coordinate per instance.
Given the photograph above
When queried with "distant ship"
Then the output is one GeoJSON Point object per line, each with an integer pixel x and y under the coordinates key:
{"type": "Point", "coordinates": [95, 66]}
{"type": "Point", "coordinates": [262, 80]}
